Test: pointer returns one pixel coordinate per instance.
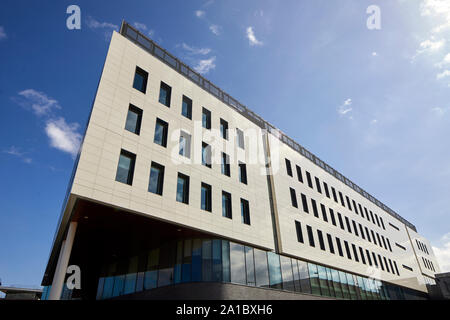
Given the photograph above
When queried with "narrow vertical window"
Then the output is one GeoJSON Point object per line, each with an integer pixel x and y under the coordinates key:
{"type": "Point", "coordinates": [382, 223]}
{"type": "Point", "coordinates": [327, 192]}
{"type": "Point", "coordinates": [314, 206]}
{"type": "Point", "coordinates": [347, 222]}
{"type": "Point", "coordinates": [349, 206]}
{"type": "Point", "coordinates": [288, 167]}
{"type": "Point", "coordinates": [242, 172]}
{"type": "Point", "coordinates": [361, 254]}
{"type": "Point", "coordinates": [354, 228]}
{"type": "Point", "coordinates": [338, 242]}
{"type": "Point", "coordinates": [125, 168]}
{"type": "Point", "coordinates": [183, 188]}
{"type": "Point", "coordinates": [304, 203]}
{"type": "Point", "coordinates": [308, 178]}
{"type": "Point", "coordinates": [299, 173]}
{"type": "Point", "coordinates": [245, 212]}
{"type": "Point", "coordinates": [371, 215]}
{"type": "Point", "coordinates": [206, 155]}
{"type": "Point", "coordinates": [165, 92]}
{"type": "Point", "coordinates": [333, 219]}
{"type": "Point", "coordinates": [225, 164]}
{"type": "Point", "coordinates": [341, 222]}
{"type": "Point", "coordinates": [355, 253]}
{"type": "Point", "coordinates": [134, 119]}
{"type": "Point", "coordinates": [298, 228]}
{"type": "Point", "coordinates": [186, 108]}
{"type": "Point", "coordinates": [293, 198]}
{"type": "Point", "coordinates": [319, 189]}
{"type": "Point", "coordinates": [206, 197]}
{"type": "Point", "coordinates": [334, 194]}
{"type": "Point", "coordinates": [240, 138]}
{"type": "Point", "coordinates": [362, 231]}
{"type": "Point", "coordinates": [321, 243]}
{"type": "Point", "coordinates": [226, 205]}
{"type": "Point", "coordinates": [185, 144]}
{"type": "Point", "coordinates": [324, 213]}
{"type": "Point", "coordinates": [206, 118]}
{"type": "Point", "coordinates": [224, 129]}
{"type": "Point", "coordinates": [156, 178]}
{"type": "Point", "coordinates": [368, 257]}
{"type": "Point", "coordinates": [367, 234]}
{"type": "Point", "coordinates": [389, 244]}
{"type": "Point", "coordinates": [347, 250]}
{"type": "Point", "coordinates": [330, 243]}
{"type": "Point", "coordinates": [161, 129]}
{"type": "Point", "coordinates": [341, 197]}
{"type": "Point", "coordinates": [310, 236]}
{"type": "Point", "coordinates": [140, 80]}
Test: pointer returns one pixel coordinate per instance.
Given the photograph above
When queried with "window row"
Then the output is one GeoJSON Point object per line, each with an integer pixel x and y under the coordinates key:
{"type": "Point", "coordinates": [422, 247]}
{"type": "Point", "coordinates": [125, 171]}
{"type": "Point", "coordinates": [214, 260]}
{"type": "Point", "coordinates": [374, 218]}
{"type": "Point", "coordinates": [428, 264]}
{"type": "Point", "coordinates": [352, 252]}
{"type": "Point", "coordinates": [165, 94]}
{"type": "Point", "coordinates": [363, 232]}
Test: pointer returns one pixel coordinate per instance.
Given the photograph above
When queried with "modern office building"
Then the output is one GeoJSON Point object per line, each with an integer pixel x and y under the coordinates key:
{"type": "Point", "coordinates": [179, 191]}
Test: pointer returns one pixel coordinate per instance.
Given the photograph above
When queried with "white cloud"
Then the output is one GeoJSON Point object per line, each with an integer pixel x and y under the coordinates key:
{"type": "Point", "coordinates": [2, 33]}
{"type": "Point", "coordinates": [14, 151]}
{"type": "Point", "coordinates": [204, 66]}
{"type": "Point", "coordinates": [63, 136]}
{"type": "Point", "coordinates": [443, 74]}
{"type": "Point", "coordinates": [199, 13]}
{"type": "Point", "coordinates": [444, 62]}
{"type": "Point", "coordinates": [252, 38]}
{"type": "Point", "coordinates": [374, 54]}
{"type": "Point", "coordinates": [442, 253]}
{"type": "Point", "coordinates": [144, 29]}
{"type": "Point", "coordinates": [345, 107]}
{"type": "Point", "coordinates": [432, 45]}
{"type": "Point", "coordinates": [215, 29]}
{"type": "Point", "coordinates": [194, 50]}
{"type": "Point", "coordinates": [105, 27]}
{"type": "Point", "coordinates": [374, 121]}
{"type": "Point", "coordinates": [39, 102]}
{"type": "Point", "coordinates": [439, 111]}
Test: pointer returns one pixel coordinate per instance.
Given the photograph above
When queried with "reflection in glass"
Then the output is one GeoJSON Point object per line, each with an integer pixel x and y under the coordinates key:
{"type": "Point", "coordinates": [197, 260]}
{"type": "Point", "coordinates": [261, 268]}
{"type": "Point", "coordinates": [250, 266]}
{"type": "Point", "coordinates": [216, 260]}
{"type": "Point", "coordinates": [237, 263]}
{"type": "Point", "coordinates": [323, 281]}
{"type": "Point", "coordinates": [206, 260]}
{"type": "Point", "coordinates": [226, 261]}
{"type": "Point", "coordinates": [275, 280]}
{"type": "Point", "coordinates": [286, 272]}
{"type": "Point", "coordinates": [304, 276]}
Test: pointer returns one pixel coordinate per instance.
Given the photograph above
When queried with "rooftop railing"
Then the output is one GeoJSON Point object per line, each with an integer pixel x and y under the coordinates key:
{"type": "Point", "coordinates": [154, 49]}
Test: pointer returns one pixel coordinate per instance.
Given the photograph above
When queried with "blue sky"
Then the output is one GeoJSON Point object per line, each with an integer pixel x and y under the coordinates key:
{"type": "Point", "coordinates": [374, 104]}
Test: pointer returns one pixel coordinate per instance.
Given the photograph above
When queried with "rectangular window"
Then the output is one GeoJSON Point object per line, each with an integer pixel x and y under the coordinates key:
{"type": "Point", "coordinates": [224, 129]}
{"type": "Point", "coordinates": [338, 242]}
{"type": "Point", "coordinates": [367, 214]}
{"type": "Point", "coordinates": [368, 257]}
{"type": "Point", "coordinates": [333, 219]}
{"type": "Point", "coordinates": [360, 208]}
{"type": "Point", "coordinates": [375, 259]}
{"type": "Point", "coordinates": [347, 222]}
{"type": "Point", "coordinates": [327, 192]}
{"type": "Point", "coordinates": [367, 234]}
{"type": "Point", "coordinates": [330, 243]}
{"type": "Point", "coordinates": [183, 188]}
{"type": "Point", "coordinates": [387, 266]}
{"type": "Point", "coordinates": [347, 250]}
{"type": "Point", "coordinates": [240, 138]}
{"type": "Point", "coordinates": [245, 212]}
{"type": "Point", "coordinates": [288, 167]}
{"type": "Point", "coordinates": [206, 197]}
{"type": "Point", "coordinates": [355, 207]}
{"type": "Point", "coordinates": [381, 262]}
{"type": "Point", "coordinates": [373, 237]}
{"type": "Point", "coordinates": [361, 254]}
{"type": "Point", "coordinates": [389, 244]}
{"type": "Point", "coordinates": [242, 172]}
{"type": "Point", "coordinates": [362, 231]}
{"type": "Point", "coordinates": [161, 129]}
{"type": "Point", "coordinates": [354, 228]}
{"type": "Point", "coordinates": [341, 222]}
{"type": "Point", "coordinates": [400, 246]}
{"type": "Point", "coordinates": [355, 253]}
{"type": "Point", "coordinates": [378, 221]}
{"type": "Point", "coordinates": [319, 189]}
{"type": "Point", "coordinates": [406, 267]}
{"type": "Point", "coordinates": [156, 178]}
{"type": "Point", "coordinates": [324, 213]}
{"type": "Point", "coordinates": [293, 198]}
{"type": "Point", "coordinates": [310, 236]}
{"type": "Point", "coordinates": [305, 203]}
{"type": "Point", "coordinates": [206, 155]}
{"type": "Point", "coordinates": [379, 240]}
{"type": "Point", "coordinates": [382, 223]}
{"type": "Point", "coordinates": [134, 119]}
{"type": "Point", "coordinates": [341, 197]}
{"type": "Point", "coordinates": [314, 206]}
{"type": "Point", "coordinates": [308, 177]}
{"type": "Point", "coordinates": [371, 215]}
{"type": "Point", "coordinates": [185, 144]}
{"type": "Point", "coordinates": [384, 242]}
{"type": "Point", "coordinates": [206, 118]}
{"type": "Point", "coordinates": [125, 168]}
{"type": "Point", "coordinates": [226, 164]}
{"type": "Point", "coordinates": [349, 205]}
{"type": "Point", "coordinates": [165, 91]}
{"type": "Point", "coordinates": [226, 205]}
{"type": "Point", "coordinates": [140, 80]}
{"type": "Point", "coordinates": [298, 228]}
{"type": "Point", "coordinates": [299, 174]}
{"type": "Point", "coordinates": [321, 243]}
{"type": "Point", "coordinates": [333, 191]}
{"type": "Point", "coordinates": [186, 107]}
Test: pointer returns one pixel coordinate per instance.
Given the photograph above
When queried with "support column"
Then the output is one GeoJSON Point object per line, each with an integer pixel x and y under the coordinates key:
{"type": "Point", "coordinates": [63, 261]}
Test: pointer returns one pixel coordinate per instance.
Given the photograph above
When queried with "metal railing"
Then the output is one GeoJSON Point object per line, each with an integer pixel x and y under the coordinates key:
{"type": "Point", "coordinates": [154, 49]}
